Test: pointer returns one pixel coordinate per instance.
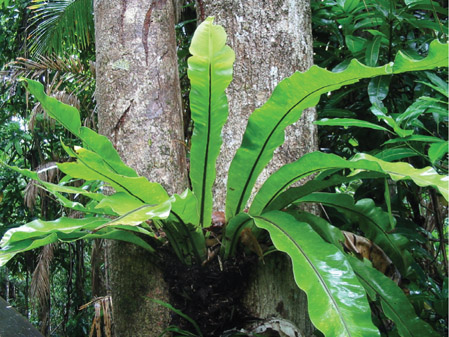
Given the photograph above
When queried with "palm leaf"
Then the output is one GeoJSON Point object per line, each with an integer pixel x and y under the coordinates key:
{"type": "Point", "coordinates": [61, 25]}
{"type": "Point", "coordinates": [64, 68]}
{"type": "Point", "coordinates": [40, 281]}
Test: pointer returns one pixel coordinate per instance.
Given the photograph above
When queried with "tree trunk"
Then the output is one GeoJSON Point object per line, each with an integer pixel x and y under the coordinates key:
{"type": "Point", "coordinates": [139, 109]}
{"type": "Point", "coordinates": [272, 40]}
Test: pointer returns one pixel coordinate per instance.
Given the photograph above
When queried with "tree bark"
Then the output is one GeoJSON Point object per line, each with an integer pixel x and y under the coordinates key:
{"type": "Point", "coordinates": [272, 40]}
{"type": "Point", "coordinates": [139, 109]}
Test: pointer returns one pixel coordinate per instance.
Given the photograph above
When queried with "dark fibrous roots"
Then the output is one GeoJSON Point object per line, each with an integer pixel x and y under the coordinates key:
{"type": "Point", "coordinates": [211, 294]}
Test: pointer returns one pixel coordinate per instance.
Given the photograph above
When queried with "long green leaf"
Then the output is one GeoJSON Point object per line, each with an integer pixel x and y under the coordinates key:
{"type": "Point", "coordinates": [119, 203]}
{"type": "Point", "coordinates": [54, 187]}
{"type": "Point", "coordinates": [14, 247]}
{"type": "Point", "coordinates": [345, 122]}
{"type": "Point", "coordinates": [378, 89]}
{"type": "Point", "coordinates": [437, 150]}
{"type": "Point", "coordinates": [415, 138]}
{"type": "Point", "coordinates": [210, 72]}
{"type": "Point", "coordinates": [324, 229]}
{"type": "Point", "coordinates": [426, 176]}
{"type": "Point", "coordinates": [56, 190]}
{"type": "Point", "coordinates": [232, 233]}
{"type": "Point", "coordinates": [37, 228]}
{"type": "Point", "coordinates": [9, 251]}
{"type": "Point", "coordinates": [396, 153]}
{"type": "Point", "coordinates": [372, 51]}
{"type": "Point", "coordinates": [337, 302]}
{"type": "Point", "coordinates": [289, 196]}
{"type": "Point", "coordinates": [39, 233]}
{"type": "Point", "coordinates": [394, 303]}
{"type": "Point", "coordinates": [69, 117]}
{"type": "Point", "coordinates": [374, 222]}
{"type": "Point", "coordinates": [183, 230]}
{"type": "Point", "coordinates": [143, 213]}
{"type": "Point", "coordinates": [90, 166]}
{"type": "Point", "coordinates": [265, 130]}
{"type": "Point", "coordinates": [318, 161]}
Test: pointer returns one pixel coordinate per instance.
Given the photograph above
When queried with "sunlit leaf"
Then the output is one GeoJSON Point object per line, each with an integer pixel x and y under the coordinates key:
{"type": "Point", "coordinates": [265, 130]}
{"type": "Point", "coordinates": [337, 302]}
{"type": "Point", "coordinates": [210, 72]}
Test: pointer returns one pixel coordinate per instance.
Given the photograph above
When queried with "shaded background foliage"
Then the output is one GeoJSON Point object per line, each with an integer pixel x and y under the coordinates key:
{"type": "Point", "coordinates": [373, 31]}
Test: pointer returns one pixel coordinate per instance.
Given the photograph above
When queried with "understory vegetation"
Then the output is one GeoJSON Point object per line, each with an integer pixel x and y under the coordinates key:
{"type": "Point", "coordinates": [379, 179]}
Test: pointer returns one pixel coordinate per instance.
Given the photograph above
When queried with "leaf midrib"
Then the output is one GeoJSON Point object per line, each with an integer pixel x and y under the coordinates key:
{"type": "Point", "coordinates": [385, 301]}
{"type": "Point", "coordinates": [267, 140]}
{"type": "Point", "coordinates": [358, 213]}
{"type": "Point", "coordinates": [206, 154]}
{"type": "Point", "coordinates": [322, 281]}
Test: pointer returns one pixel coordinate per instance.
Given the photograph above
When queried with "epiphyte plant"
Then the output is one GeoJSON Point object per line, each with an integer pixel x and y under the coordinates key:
{"type": "Point", "coordinates": [336, 283]}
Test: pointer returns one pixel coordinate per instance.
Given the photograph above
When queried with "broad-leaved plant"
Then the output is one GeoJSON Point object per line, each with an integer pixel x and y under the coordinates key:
{"type": "Point", "coordinates": [337, 284]}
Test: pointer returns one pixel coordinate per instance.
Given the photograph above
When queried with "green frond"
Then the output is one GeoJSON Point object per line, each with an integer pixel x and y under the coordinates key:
{"type": "Point", "coordinates": [61, 25]}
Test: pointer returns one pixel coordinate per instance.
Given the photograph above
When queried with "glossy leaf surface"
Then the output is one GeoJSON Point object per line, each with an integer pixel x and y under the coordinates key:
{"type": "Point", "coordinates": [143, 213]}
{"type": "Point", "coordinates": [40, 233]}
{"type": "Point", "coordinates": [426, 176]}
{"type": "Point", "coordinates": [294, 193]}
{"type": "Point", "coordinates": [69, 117]}
{"type": "Point", "coordinates": [337, 302]}
{"type": "Point", "coordinates": [394, 303]}
{"type": "Point", "coordinates": [318, 161]}
{"type": "Point", "coordinates": [265, 130]}
{"type": "Point", "coordinates": [90, 166]}
{"type": "Point", "coordinates": [324, 229]}
{"type": "Point", "coordinates": [210, 72]}
{"type": "Point", "coordinates": [374, 222]}
{"type": "Point", "coordinates": [345, 122]}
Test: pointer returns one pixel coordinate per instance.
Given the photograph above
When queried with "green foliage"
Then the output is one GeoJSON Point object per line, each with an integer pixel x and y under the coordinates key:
{"type": "Point", "coordinates": [395, 304]}
{"type": "Point", "coordinates": [55, 21]}
{"type": "Point", "coordinates": [29, 139]}
{"type": "Point", "coordinates": [338, 305]}
{"type": "Point", "coordinates": [210, 72]}
{"type": "Point", "coordinates": [410, 114]}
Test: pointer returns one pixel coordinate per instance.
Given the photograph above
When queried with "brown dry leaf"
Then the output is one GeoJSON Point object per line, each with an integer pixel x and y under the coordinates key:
{"type": "Point", "coordinates": [367, 249]}
{"type": "Point", "coordinates": [102, 305]}
{"type": "Point", "coordinates": [47, 172]}
{"type": "Point", "coordinates": [218, 219]}
{"type": "Point", "coordinates": [249, 240]}
{"type": "Point", "coordinates": [40, 281]}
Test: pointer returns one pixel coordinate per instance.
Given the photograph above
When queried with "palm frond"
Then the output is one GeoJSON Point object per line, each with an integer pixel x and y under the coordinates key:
{"type": "Point", "coordinates": [47, 172]}
{"type": "Point", "coordinates": [57, 69]}
{"type": "Point", "coordinates": [40, 282]}
{"type": "Point", "coordinates": [60, 25]}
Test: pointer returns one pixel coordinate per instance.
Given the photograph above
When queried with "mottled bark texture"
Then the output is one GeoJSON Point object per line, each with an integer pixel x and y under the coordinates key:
{"type": "Point", "coordinates": [272, 39]}
{"type": "Point", "coordinates": [139, 109]}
